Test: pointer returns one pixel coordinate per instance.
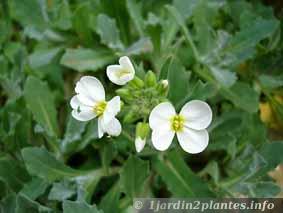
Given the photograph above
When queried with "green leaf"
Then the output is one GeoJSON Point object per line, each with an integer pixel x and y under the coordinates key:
{"type": "Point", "coordinates": [135, 11]}
{"type": "Point", "coordinates": [108, 153]}
{"type": "Point", "coordinates": [24, 205]}
{"type": "Point", "coordinates": [262, 189]}
{"type": "Point", "coordinates": [20, 8]}
{"type": "Point", "coordinates": [5, 30]}
{"type": "Point", "coordinates": [203, 15]}
{"type": "Point", "coordinates": [43, 57]}
{"type": "Point", "coordinates": [163, 75]}
{"type": "Point", "coordinates": [14, 50]}
{"type": "Point", "coordinates": [72, 135]}
{"type": "Point", "coordinates": [87, 184]}
{"type": "Point", "coordinates": [217, 63]}
{"type": "Point", "coordinates": [178, 82]}
{"type": "Point", "coordinates": [41, 163]}
{"type": "Point", "coordinates": [34, 188]}
{"type": "Point", "coordinates": [212, 169]}
{"type": "Point", "coordinates": [179, 178]}
{"type": "Point", "coordinates": [185, 7]}
{"type": "Point", "coordinates": [108, 31]}
{"type": "Point", "coordinates": [179, 19]}
{"type": "Point", "coordinates": [243, 96]}
{"type": "Point", "coordinates": [110, 202]}
{"type": "Point", "coordinates": [202, 91]}
{"type": "Point", "coordinates": [143, 45]}
{"type": "Point", "coordinates": [62, 15]}
{"type": "Point", "coordinates": [91, 134]}
{"type": "Point", "coordinates": [198, 90]}
{"type": "Point", "coordinates": [272, 153]}
{"type": "Point", "coordinates": [225, 77]}
{"type": "Point", "coordinates": [40, 101]}
{"type": "Point", "coordinates": [133, 175]}
{"type": "Point", "coordinates": [13, 174]}
{"type": "Point", "coordinates": [243, 43]}
{"type": "Point", "coordinates": [77, 206]}
{"type": "Point", "coordinates": [81, 15]}
{"type": "Point", "coordinates": [86, 59]}
{"type": "Point", "coordinates": [8, 203]}
{"type": "Point", "coordinates": [271, 82]}
{"type": "Point", "coordinates": [62, 191]}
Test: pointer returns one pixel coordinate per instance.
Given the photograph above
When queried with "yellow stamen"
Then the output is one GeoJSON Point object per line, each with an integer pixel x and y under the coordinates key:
{"type": "Point", "coordinates": [122, 72]}
{"type": "Point", "coordinates": [99, 108]}
{"type": "Point", "coordinates": [177, 123]}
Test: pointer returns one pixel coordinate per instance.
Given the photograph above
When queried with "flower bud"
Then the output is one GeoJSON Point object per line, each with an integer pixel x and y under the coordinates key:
{"type": "Point", "coordinates": [139, 144]}
{"type": "Point", "coordinates": [150, 79]}
{"type": "Point", "coordinates": [165, 83]}
{"type": "Point", "coordinates": [142, 131]}
{"type": "Point", "coordinates": [136, 83]}
{"type": "Point", "coordinates": [124, 93]}
{"type": "Point", "coordinates": [162, 87]}
{"type": "Point", "coordinates": [130, 117]}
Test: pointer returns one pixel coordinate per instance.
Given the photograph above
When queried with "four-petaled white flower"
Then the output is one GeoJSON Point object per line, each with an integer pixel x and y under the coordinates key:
{"type": "Point", "coordinates": [89, 102]}
{"type": "Point", "coordinates": [189, 125]}
{"type": "Point", "coordinates": [122, 73]}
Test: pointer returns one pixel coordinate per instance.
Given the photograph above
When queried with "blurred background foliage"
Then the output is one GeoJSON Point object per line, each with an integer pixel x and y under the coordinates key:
{"type": "Point", "coordinates": [228, 53]}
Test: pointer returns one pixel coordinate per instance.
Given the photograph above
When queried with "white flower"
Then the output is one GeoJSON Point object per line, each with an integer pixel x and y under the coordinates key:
{"type": "Point", "coordinates": [89, 102]}
{"type": "Point", "coordinates": [189, 125]}
{"type": "Point", "coordinates": [139, 144]}
{"type": "Point", "coordinates": [122, 73]}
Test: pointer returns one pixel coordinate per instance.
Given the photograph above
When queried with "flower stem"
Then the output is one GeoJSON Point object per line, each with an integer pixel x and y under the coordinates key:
{"type": "Point", "coordinates": [127, 135]}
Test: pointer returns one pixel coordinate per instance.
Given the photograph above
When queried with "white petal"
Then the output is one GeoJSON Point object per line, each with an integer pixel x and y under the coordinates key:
{"type": "Point", "coordinates": [77, 105]}
{"type": "Point", "coordinates": [193, 141]}
{"type": "Point", "coordinates": [112, 71]}
{"type": "Point", "coordinates": [198, 114]}
{"type": "Point", "coordinates": [91, 88]}
{"type": "Point", "coordinates": [160, 116]}
{"type": "Point", "coordinates": [85, 99]}
{"type": "Point", "coordinates": [100, 128]}
{"type": "Point", "coordinates": [126, 63]}
{"type": "Point", "coordinates": [113, 128]}
{"type": "Point", "coordinates": [139, 144]}
{"type": "Point", "coordinates": [112, 109]}
{"type": "Point", "coordinates": [83, 115]}
{"type": "Point", "coordinates": [161, 140]}
{"type": "Point", "coordinates": [116, 75]}
{"type": "Point", "coordinates": [125, 78]}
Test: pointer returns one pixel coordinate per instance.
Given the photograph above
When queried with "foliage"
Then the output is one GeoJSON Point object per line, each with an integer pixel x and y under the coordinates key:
{"type": "Point", "coordinates": [228, 53]}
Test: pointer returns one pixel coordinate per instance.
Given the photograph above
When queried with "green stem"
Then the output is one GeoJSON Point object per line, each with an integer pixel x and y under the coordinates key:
{"type": "Point", "coordinates": [227, 184]}
{"type": "Point", "coordinates": [127, 135]}
{"type": "Point", "coordinates": [191, 43]}
{"type": "Point", "coordinates": [186, 32]}
{"type": "Point", "coordinates": [53, 145]}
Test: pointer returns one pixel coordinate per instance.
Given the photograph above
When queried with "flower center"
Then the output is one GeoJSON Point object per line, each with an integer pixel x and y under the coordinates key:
{"type": "Point", "coordinates": [122, 72]}
{"type": "Point", "coordinates": [99, 108]}
{"type": "Point", "coordinates": [177, 123]}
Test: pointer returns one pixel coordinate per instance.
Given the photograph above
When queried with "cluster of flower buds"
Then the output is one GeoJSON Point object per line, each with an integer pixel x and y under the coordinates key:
{"type": "Point", "coordinates": [141, 96]}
